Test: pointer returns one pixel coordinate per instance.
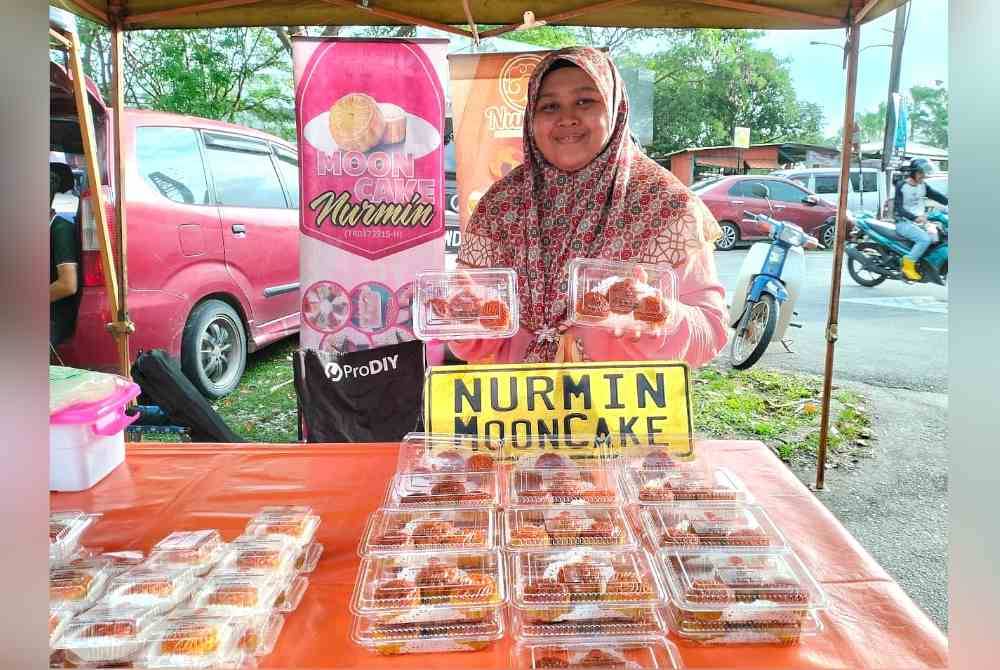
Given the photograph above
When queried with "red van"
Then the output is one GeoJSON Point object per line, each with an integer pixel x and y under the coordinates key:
{"type": "Point", "coordinates": [212, 244]}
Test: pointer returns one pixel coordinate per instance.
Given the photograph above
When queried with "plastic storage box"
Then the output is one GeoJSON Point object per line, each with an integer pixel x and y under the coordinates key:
{"type": "Point", "coordinates": [423, 453]}
{"type": "Point", "coordinates": [687, 481]}
{"type": "Point", "coordinates": [87, 435]}
{"type": "Point", "coordinates": [106, 635]}
{"type": "Point", "coordinates": [197, 550]}
{"type": "Point", "coordinates": [198, 643]}
{"type": "Point", "coordinates": [622, 296]}
{"type": "Point", "coordinates": [444, 490]}
{"type": "Point", "coordinates": [564, 486]}
{"type": "Point", "coordinates": [456, 634]}
{"type": "Point", "coordinates": [534, 528]}
{"type": "Point", "coordinates": [65, 530]}
{"type": "Point", "coordinates": [401, 531]}
{"type": "Point", "coordinates": [653, 653]}
{"type": "Point", "coordinates": [711, 526]}
{"type": "Point", "coordinates": [295, 523]}
{"type": "Point", "coordinates": [719, 598]}
{"type": "Point", "coordinates": [467, 304]}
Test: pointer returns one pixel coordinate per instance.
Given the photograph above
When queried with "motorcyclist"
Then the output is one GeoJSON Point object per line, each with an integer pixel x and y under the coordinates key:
{"type": "Point", "coordinates": [911, 213]}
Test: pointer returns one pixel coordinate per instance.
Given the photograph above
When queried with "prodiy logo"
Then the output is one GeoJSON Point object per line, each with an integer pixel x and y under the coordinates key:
{"type": "Point", "coordinates": [337, 372]}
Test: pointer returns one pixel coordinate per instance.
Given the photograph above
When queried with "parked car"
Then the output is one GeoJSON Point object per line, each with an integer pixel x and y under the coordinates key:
{"type": "Point", "coordinates": [939, 182]}
{"type": "Point", "coordinates": [212, 216]}
{"type": "Point", "coordinates": [728, 197]}
{"type": "Point", "coordinates": [865, 193]}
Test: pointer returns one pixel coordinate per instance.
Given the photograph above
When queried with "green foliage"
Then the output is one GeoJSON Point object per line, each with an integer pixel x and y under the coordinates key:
{"type": "Point", "coordinates": [929, 115]}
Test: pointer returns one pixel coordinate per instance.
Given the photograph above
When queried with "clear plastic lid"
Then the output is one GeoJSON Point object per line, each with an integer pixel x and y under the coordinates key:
{"type": "Point", "coordinates": [65, 532]}
{"type": "Point", "coordinates": [259, 638]}
{"type": "Point", "coordinates": [239, 593]}
{"type": "Point", "coordinates": [657, 452]}
{"type": "Point", "coordinates": [569, 621]}
{"type": "Point", "coordinates": [689, 481]}
{"type": "Point", "coordinates": [561, 452]}
{"type": "Point", "coordinates": [204, 642]}
{"type": "Point", "coordinates": [424, 453]}
{"type": "Point", "coordinates": [534, 528]}
{"type": "Point", "coordinates": [545, 487]}
{"type": "Point", "coordinates": [199, 550]}
{"type": "Point", "coordinates": [118, 561]}
{"type": "Point", "coordinates": [401, 531]}
{"type": "Point", "coordinates": [742, 626]}
{"type": "Point", "coordinates": [106, 634]}
{"type": "Point", "coordinates": [453, 631]}
{"type": "Point", "coordinates": [622, 296]}
{"type": "Point", "coordinates": [77, 587]}
{"type": "Point", "coordinates": [466, 304]}
{"type": "Point", "coordinates": [652, 653]}
{"type": "Point", "coordinates": [442, 490]}
{"type": "Point", "coordinates": [260, 555]}
{"type": "Point", "coordinates": [402, 584]}
{"type": "Point", "coordinates": [742, 586]}
{"type": "Point", "coordinates": [584, 575]}
{"type": "Point", "coordinates": [295, 522]}
{"type": "Point", "coordinates": [158, 587]}
{"type": "Point", "coordinates": [720, 526]}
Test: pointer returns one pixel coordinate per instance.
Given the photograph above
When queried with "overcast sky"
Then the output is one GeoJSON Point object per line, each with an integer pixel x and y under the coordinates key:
{"type": "Point", "coordinates": [817, 70]}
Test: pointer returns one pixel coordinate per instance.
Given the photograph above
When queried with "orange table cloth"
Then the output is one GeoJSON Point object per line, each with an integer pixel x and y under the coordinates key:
{"type": "Point", "coordinates": [870, 624]}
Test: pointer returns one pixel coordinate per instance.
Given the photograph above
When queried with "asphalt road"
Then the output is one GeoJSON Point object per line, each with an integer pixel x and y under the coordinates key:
{"type": "Point", "coordinates": [893, 335]}
{"type": "Point", "coordinates": [893, 349]}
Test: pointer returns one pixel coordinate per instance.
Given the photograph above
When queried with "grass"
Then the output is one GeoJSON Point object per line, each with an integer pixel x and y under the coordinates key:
{"type": "Point", "coordinates": [778, 408]}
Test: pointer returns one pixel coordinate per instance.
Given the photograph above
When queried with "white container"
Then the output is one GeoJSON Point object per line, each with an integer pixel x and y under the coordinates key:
{"type": "Point", "coordinates": [87, 440]}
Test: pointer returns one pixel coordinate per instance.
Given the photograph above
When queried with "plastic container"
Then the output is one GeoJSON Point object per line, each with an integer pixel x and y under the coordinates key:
{"type": "Point", "coordinates": [399, 531]}
{"type": "Point", "coordinates": [741, 597]}
{"type": "Point", "coordinates": [444, 490]}
{"type": "Point", "coordinates": [254, 555]}
{"type": "Point", "coordinates": [653, 653]}
{"type": "Point", "coordinates": [118, 561]}
{"type": "Point", "coordinates": [296, 523]}
{"type": "Point", "coordinates": [242, 594]}
{"type": "Point", "coordinates": [467, 304]}
{"type": "Point", "coordinates": [259, 637]}
{"type": "Point", "coordinates": [711, 526]}
{"type": "Point", "coordinates": [423, 453]}
{"type": "Point", "coordinates": [107, 635]}
{"type": "Point", "coordinates": [197, 550]}
{"type": "Point", "coordinates": [690, 481]}
{"type": "Point", "coordinates": [534, 528]}
{"type": "Point", "coordinates": [66, 529]}
{"type": "Point", "coordinates": [159, 588]}
{"type": "Point", "coordinates": [560, 452]}
{"type": "Point", "coordinates": [421, 588]}
{"type": "Point", "coordinates": [544, 624]}
{"type": "Point", "coordinates": [205, 642]}
{"type": "Point", "coordinates": [76, 588]}
{"type": "Point", "coordinates": [560, 487]}
{"type": "Point", "coordinates": [457, 634]}
{"type": "Point", "coordinates": [622, 296]}
{"type": "Point", "coordinates": [59, 618]}
{"type": "Point", "coordinates": [87, 438]}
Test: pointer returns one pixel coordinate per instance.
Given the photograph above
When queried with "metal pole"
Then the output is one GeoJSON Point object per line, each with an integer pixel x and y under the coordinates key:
{"type": "Point", "coordinates": [853, 38]}
{"type": "Point", "coordinates": [898, 37]}
{"type": "Point", "coordinates": [121, 325]}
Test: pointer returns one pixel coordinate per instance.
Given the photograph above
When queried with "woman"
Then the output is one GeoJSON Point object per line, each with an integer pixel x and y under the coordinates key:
{"type": "Point", "coordinates": [586, 190]}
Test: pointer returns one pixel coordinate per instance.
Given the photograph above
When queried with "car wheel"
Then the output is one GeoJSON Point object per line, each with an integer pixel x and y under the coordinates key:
{"type": "Point", "coordinates": [828, 236]}
{"type": "Point", "coordinates": [214, 348]}
{"type": "Point", "coordinates": [730, 236]}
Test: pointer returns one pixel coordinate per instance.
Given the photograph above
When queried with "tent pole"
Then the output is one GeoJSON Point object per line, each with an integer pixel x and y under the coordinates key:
{"type": "Point", "coordinates": [121, 326]}
{"type": "Point", "coordinates": [853, 39]}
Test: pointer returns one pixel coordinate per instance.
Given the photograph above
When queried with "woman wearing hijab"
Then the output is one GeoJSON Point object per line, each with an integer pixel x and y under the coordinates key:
{"type": "Point", "coordinates": [586, 190]}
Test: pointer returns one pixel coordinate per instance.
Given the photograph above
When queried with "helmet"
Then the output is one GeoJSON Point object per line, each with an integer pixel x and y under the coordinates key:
{"type": "Point", "coordinates": [920, 165]}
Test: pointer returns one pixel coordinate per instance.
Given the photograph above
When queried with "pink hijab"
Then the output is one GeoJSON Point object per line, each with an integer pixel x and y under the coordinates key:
{"type": "Point", "coordinates": [621, 206]}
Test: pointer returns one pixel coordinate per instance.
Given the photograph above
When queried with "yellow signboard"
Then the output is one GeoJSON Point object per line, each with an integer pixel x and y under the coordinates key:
{"type": "Point", "coordinates": [741, 138]}
{"type": "Point", "coordinates": [523, 404]}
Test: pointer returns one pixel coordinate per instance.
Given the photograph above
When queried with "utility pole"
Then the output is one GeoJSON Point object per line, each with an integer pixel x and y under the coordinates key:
{"type": "Point", "coordinates": [898, 37]}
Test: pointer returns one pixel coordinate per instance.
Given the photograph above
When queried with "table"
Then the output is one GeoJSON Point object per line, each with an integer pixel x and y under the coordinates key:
{"type": "Point", "coordinates": [871, 623]}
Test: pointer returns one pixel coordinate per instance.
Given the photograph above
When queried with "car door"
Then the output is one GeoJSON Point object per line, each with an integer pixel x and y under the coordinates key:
{"type": "Point", "coordinates": [259, 227]}
{"type": "Point", "coordinates": [742, 198]}
{"type": "Point", "coordinates": [790, 204]}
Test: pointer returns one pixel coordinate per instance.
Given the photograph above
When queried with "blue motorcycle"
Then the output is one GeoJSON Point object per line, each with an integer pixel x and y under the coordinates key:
{"type": "Point", "coordinates": [875, 252]}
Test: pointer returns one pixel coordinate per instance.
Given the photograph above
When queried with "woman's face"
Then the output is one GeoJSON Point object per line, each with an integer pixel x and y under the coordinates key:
{"type": "Point", "coordinates": [570, 122]}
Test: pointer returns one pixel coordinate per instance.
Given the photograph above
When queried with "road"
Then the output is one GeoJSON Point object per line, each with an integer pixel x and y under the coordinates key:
{"type": "Point", "coordinates": [893, 350]}
{"type": "Point", "coordinates": [893, 335]}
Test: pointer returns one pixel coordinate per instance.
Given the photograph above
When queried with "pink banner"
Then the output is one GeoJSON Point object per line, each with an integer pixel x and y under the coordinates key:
{"type": "Point", "coordinates": [370, 118]}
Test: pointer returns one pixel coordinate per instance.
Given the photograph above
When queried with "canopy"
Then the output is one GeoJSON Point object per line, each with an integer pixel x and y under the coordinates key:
{"type": "Point", "coordinates": [765, 14]}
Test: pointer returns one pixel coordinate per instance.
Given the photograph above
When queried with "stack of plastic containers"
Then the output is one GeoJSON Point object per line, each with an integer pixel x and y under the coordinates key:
{"type": "Point", "coordinates": [468, 304]}
{"type": "Point", "coordinates": [195, 602]}
{"type": "Point", "coordinates": [432, 578]}
{"type": "Point", "coordinates": [583, 592]}
{"type": "Point", "coordinates": [730, 576]}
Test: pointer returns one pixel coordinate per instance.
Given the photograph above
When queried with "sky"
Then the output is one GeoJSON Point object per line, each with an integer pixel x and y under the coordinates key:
{"type": "Point", "coordinates": [818, 70]}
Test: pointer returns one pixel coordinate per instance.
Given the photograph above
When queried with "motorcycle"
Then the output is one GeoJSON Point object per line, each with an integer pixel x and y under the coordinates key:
{"type": "Point", "coordinates": [767, 287]}
{"type": "Point", "coordinates": [875, 252]}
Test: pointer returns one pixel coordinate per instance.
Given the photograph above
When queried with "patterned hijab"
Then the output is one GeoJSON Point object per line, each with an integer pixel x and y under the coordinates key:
{"type": "Point", "coordinates": [621, 206]}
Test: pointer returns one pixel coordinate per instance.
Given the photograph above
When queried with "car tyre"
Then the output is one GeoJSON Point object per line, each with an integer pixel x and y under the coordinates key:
{"type": "Point", "coordinates": [214, 348]}
{"type": "Point", "coordinates": [828, 235]}
{"type": "Point", "coordinates": [730, 237]}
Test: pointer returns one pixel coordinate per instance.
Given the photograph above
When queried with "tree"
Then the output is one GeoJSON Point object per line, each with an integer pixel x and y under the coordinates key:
{"type": "Point", "coordinates": [929, 115]}
{"type": "Point", "coordinates": [615, 40]}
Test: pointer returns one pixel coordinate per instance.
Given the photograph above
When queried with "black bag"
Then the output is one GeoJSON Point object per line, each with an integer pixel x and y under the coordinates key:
{"type": "Point", "coordinates": [374, 395]}
{"type": "Point", "coordinates": [162, 381]}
